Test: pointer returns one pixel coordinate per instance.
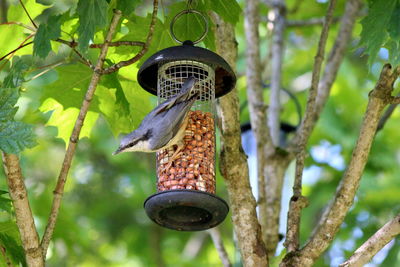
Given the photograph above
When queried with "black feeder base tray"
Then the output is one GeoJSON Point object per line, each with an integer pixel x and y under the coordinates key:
{"type": "Point", "coordinates": [186, 210]}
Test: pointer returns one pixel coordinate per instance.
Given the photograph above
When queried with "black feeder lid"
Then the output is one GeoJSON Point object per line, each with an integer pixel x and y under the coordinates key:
{"type": "Point", "coordinates": [225, 78]}
{"type": "Point", "coordinates": [186, 210]}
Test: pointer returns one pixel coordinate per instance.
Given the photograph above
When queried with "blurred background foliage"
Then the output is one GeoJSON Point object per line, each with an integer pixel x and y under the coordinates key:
{"type": "Point", "coordinates": [102, 221]}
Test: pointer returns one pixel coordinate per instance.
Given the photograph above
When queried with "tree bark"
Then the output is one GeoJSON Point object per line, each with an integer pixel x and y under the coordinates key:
{"type": "Point", "coordinates": [23, 213]}
{"type": "Point", "coordinates": [233, 163]}
{"type": "Point", "coordinates": [375, 243]}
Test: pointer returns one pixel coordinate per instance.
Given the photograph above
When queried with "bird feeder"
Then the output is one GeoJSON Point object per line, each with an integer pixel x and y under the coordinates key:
{"type": "Point", "coordinates": [185, 198]}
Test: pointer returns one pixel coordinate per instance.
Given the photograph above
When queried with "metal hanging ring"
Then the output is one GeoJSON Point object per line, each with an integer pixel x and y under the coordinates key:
{"type": "Point", "coordinates": [184, 12]}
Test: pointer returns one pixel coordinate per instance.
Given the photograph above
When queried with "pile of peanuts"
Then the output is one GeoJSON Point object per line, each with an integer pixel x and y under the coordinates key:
{"type": "Point", "coordinates": [193, 168]}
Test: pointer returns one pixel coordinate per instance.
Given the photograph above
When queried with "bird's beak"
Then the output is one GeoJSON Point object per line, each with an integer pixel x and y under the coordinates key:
{"type": "Point", "coordinates": [119, 150]}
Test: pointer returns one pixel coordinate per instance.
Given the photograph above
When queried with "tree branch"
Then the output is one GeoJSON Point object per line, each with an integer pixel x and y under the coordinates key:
{"type": "Point", "coordinates": [119, 43]}
{"type": "Point", "coordinates": [145, 47]}
{"type": "Point", "coordinates": [59, 189]}
{"type": "Point", "coordinates": [374, 244]}
{"type": "Point", "coordinates": [23, 213]}
{"type": "Point", "coordinates": [277, 50]}
{"type": "Point", "coordinates": [257, 108]}
{"type": "Point", "coordinates": [334, 214]}
{"type": "Point", "coordinates": [233, 163]}
{"type": "Point", "coordinates": [219, 245]}
{"type": "Point", "coordinates": [395, 100]}
{"type": "Point", "coordinates": [298, 202]}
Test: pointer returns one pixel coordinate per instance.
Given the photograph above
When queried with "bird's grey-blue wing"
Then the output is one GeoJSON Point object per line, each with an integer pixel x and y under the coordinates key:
{"type": "Point", "coordinates": [168, 124]}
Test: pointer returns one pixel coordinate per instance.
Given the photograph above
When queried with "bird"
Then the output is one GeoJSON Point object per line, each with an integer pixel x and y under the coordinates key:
{"type": "Point", "coordinates": [165, 125]}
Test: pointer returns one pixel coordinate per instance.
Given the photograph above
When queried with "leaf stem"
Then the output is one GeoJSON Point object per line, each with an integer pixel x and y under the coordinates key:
{"type": "Point", "coordinates": [27, 13]}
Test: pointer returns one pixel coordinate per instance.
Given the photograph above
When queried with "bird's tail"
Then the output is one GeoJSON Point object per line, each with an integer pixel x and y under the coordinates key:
{"type": "Point", "coordinates": [187, 94]}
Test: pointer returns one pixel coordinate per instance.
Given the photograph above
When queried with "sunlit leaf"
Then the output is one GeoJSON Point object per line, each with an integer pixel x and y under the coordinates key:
{"type": "Point", "coordinates": [374, 26]}
{"type": "Point", "coordinates": [92, 17]}
{"type": "Point", "coordinates": [64, 119]}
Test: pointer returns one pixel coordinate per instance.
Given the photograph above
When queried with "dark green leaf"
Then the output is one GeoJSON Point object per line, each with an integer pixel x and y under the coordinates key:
{"type": "Point", "coordinates": [394, 24]}
{"type": "Point", "coordinates": [394, 52]}
{"type": "Point", "coordinates": [15, 76]}
{"type": "Point", "coordinates": [92, 16]}
{"type": "Point", "coordinates": [112, 81]}
{"type": "Point", "coordinates": [10, 240]}
{"type": "Point", "coordinates": [373, 34]}
{"type": "Point", "coordinates": [127, 6]}
{"type": "Point", "coordinates": [46, 32]}
{"type": "Point", "coordinates": [15, 136]}
{"type": "Point", "coordinates": [8, 99]}
{"type": "Point", "coordinates": [229, 10]}
{"type": "Point", "coordinates": [5, 204]}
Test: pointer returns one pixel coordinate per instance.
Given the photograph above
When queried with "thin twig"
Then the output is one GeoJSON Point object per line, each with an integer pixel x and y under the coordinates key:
{"type": "Point", "coordinates": [22, 209]}
{"type": "Point", "coordinates": [298, 201]}
{"type": "Point", "coordinates": [27, 13]}
{"type": "Point", "coordinates": [73, 46]}
{"type": "Point", "coordinates": [219, 245]}
{"type": "Point", "coordinates": [145, 47]}
{"type": "Point", "coordinates": [45, 71]}
{"type": "Point", "coordinates": [335, 58]}
{"type": "Point", "coordinates": [59, 189]}
{"type": "Point", "coordinates": [119, 43]}
{"type": "Point", "coordinates": [19, 24]}
{"type": "Point", "coordinates": [15, 50]}
{"type": "Point", "coordinates": [385, 117]}
{"type": "Point", "coordinates": [374, 244]}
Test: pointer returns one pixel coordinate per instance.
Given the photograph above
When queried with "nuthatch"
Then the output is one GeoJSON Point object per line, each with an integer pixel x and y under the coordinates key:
{"type": "Point", "coordinates": [164, 126]}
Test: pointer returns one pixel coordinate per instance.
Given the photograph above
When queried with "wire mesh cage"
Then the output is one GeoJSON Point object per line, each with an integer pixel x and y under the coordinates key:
{"type": "Point", "coordinates": [186, 186]}
{"type": "Point", "coordinates": [194, 167]}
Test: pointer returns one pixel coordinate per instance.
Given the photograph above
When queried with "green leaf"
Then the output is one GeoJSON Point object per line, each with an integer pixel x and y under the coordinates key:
{"type": "Point", "coordinates": [70, 88]}
{"type": "Point", "coordinates": [64, 119]}
{"type": "Point", "coordinates": [46, 32]}
{"type": "Point", "coordinates": [10, 240]}
{"type": "Point", "coordinates": [5, 204]}
{"type": "Point", "coordinates": [15, 76]}
{"type": "Point", "coordinates": [394, 52]}
{"type": "Point", "coordinates": [8, 99]}
{"type": "Point", "coordinates": [127, 6]}
{"type": "Point", "coordinates": [394, 24]}
{"type": "Point", "coordinates": [15, 136]}
{"type": "Point", "coordinates": [229, 10]}
{"type": "Point", "coordinates": [373, 34]}
{"type": "Point", "coordinates": [92, 16]}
